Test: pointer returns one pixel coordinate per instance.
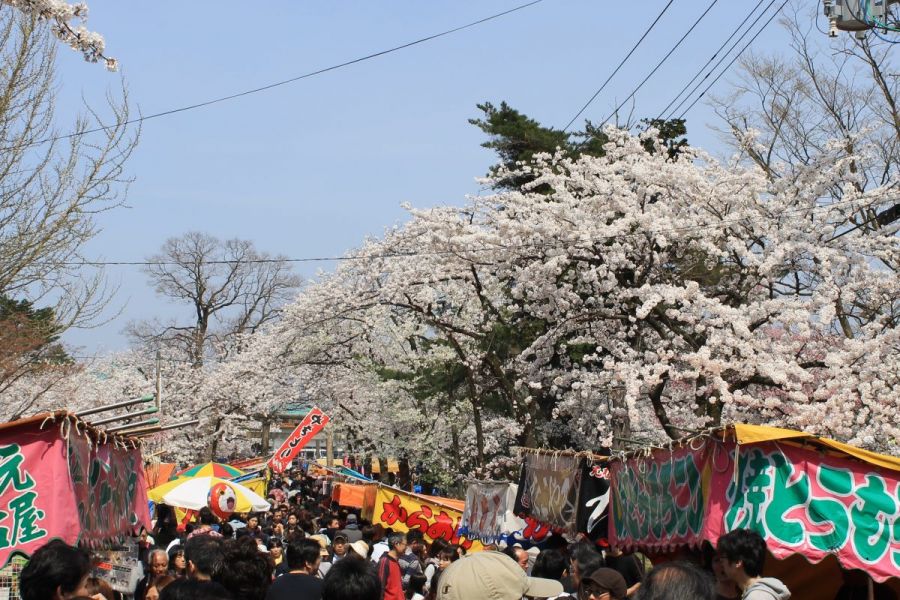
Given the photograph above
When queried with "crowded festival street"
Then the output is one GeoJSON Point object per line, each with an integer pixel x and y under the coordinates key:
{"type": "Point", "coordinates": [443, 300]}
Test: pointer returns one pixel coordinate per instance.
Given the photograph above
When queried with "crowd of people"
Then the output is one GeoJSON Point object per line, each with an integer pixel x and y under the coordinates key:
{"type": "Point", "coordinates": [306, 549]}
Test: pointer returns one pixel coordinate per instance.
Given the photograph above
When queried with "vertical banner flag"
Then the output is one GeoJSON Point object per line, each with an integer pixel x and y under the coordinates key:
{"type": "Point", "coordinates": [593, 500]}
{"type": "Point", "coordinates": [488, 515]}
{"type": "Point", "coordinates": [305, 431]}
{"type": "Point", "coordinates": [548, 490]}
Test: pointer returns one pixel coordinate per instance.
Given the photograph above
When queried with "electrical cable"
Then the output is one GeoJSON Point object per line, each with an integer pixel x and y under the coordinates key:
{"type": "Point", "coordinates": [282, 82]}
{"type": "Point", "coordinates": [875, 23]}
{"type": "Point", "coordinates": [722, 59]}
{"type": "Point", "coordinates": [736, 56]}
{"type": "Point", "coordinates": [711, 58]}
{"type": "Point", "coordinates": [454, 252]}
{"type": "Point", "coordinates": [619, 66]}
{"type": "Point", "coordinates": [661, 62]}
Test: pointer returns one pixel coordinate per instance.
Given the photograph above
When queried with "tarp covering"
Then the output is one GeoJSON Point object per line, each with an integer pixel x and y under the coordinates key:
{"type": "Point", "coordinates": [750, 434]}
{"type": "Point", "coordinates": [393, 466]}
{"type": "Point", "coordinates": [61, 479]}
{"type": "Point", "coordinates": [158, 473]}
{"type": "Point", "coordinates": [349, 495]}
{"type": "Point", "coordinates": [256, 481]}
{"type": "Point", "coordinates": [800, 499]}
{"type": "Point", "coordinates": [458, 505]}
{"type": "Point", "coordinates": [250, 464]}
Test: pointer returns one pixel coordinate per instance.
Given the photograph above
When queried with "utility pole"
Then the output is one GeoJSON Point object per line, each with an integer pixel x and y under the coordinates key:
{"type": "Point", "coordinates": [158, 380]}
{"type": "Point", "coordinates": [329, 446]}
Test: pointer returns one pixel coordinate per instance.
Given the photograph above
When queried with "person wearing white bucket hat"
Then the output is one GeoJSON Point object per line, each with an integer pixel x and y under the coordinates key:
{"type": "Point", "coordinates": [492, 576]}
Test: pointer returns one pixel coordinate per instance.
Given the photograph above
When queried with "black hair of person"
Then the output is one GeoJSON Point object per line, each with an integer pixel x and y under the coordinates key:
{"type": "Point", "coordinates": [550, 564]}
{"type": "Point", "coordinates": [302, 552]}
{"type": "Point", "coordinates": [205, 552]}
{"type": "Point", "coordinates": [54, 565]}
{"type": "Point", "coordinates": [746, 546]}
{"type": "Point", "coordinates": [351, 579]}
{"type": "Point", "coordinates": [245, 571]}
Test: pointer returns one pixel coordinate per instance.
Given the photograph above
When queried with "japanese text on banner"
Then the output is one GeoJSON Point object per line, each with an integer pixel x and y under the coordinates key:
{"type": "Point", "coordinates": [312, 424]}
{"type": "Point", "coordinates": [402, 512]}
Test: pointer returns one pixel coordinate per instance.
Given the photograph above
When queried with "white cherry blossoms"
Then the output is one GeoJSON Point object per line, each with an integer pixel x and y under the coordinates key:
{"type": "Point", "coordinates": [67, 24]}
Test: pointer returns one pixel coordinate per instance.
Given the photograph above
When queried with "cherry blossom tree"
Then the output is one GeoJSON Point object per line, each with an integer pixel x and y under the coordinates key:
{"type": "Point", "coordinates": [668, 293]}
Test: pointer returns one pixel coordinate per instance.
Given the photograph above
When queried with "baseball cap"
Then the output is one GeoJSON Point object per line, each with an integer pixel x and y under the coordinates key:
{"type": "Point", "coordinates": [492, 576]}
{"type": "Point", "coordinates": [605, 580]}
{"type": "Point", "coordinates": [340, 537]}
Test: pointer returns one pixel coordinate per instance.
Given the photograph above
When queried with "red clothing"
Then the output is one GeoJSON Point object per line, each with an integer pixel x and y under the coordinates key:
{"type": "Point", "coordinates": [391, 577]}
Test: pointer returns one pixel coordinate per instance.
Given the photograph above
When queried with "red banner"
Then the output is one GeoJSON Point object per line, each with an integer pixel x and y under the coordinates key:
{"type": "Point", "coordinates": [54, 483]}
{"type": "Point", "coordinates": [305, 431]}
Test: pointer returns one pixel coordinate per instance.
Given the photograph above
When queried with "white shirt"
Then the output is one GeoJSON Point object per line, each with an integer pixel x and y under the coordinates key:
{"type": "Point", "coordinates": [377, 550]}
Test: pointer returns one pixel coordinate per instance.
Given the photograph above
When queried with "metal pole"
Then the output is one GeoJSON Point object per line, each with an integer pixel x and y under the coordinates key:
{"type": "Point", "coordinates": [158, 428]}
{"type": "Point", "coordinates": [99, 409]}
{"type": "Point", "coordinates": [140, 413]}
{"type": "Point", "coordinates": [152, 421]}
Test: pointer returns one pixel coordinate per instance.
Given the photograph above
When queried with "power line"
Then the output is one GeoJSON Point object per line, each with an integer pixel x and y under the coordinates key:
{"type": "Point", "coordinates": [736, 56]}
{"type": "Point", "coordinates": [454, 252]}
{"type": "Point", "coordinates": [722, 59]}
{"type": "Point", "coordinates": [616, 70]}
{"type": "Point", "coordinates": [284, 81]}
{"type": "Point", "coordinates": [660, 63]}
{"type": "Point", "coordinates": [711, 58]}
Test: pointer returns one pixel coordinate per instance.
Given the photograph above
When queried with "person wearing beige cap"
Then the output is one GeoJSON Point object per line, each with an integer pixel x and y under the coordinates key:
{"type": "Point", "coordinates": [325, 565]}
{"type": "Point", "coordinates": [492, 576]}
{"type": "Point", "coordinates": [360, 549]}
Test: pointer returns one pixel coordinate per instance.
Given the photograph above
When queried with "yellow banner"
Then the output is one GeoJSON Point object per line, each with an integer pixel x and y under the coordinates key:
{"type": "Point", "coordinates": [402, 511]}
{"type": "Point", "coordinates": [258, 485]}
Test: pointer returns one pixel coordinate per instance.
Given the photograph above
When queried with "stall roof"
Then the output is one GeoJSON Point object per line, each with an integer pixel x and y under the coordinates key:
{"type": "Point", "coordinates": [743, 433]}
{"type": "Point", "coordinates": [753, 434]}
{"type": "Point", "coordinates": [81, 426]}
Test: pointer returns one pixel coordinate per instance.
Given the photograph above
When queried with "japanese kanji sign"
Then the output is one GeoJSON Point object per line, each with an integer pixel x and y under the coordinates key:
{"type": "Point", "coordinates": [72, 490]}
{"type": "Point", "coordinates": [660, 501]}
{"type": "Point", "coordinates": [312, 424]}
{"type": "Point", "coordinates": [402, 511]}
{"type": "Point", "coordinates": [801, 501]}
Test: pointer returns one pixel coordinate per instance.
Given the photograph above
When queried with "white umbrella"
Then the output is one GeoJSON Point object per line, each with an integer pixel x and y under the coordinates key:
{"type": "Point", "coordinates": [193, 493]}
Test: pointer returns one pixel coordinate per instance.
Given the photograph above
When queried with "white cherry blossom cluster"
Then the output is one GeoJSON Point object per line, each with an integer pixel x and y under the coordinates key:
{"type": "Point", "coordinates": [66, 22]}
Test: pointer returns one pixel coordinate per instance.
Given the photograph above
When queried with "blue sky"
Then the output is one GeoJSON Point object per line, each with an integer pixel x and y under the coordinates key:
{"type": "Point", "coordinates": [312, 168]}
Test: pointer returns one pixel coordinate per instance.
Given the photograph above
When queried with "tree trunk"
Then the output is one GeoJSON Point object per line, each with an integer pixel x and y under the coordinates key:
{"type": "Point", "coordinates": [479, 433]}
{"type": "Point", "coordinates": [404, 477]}
{"type": "Point", "coordinates": [264, 437]}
